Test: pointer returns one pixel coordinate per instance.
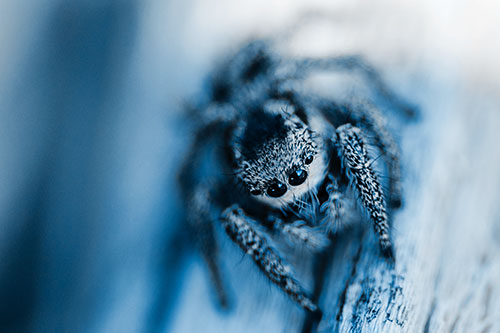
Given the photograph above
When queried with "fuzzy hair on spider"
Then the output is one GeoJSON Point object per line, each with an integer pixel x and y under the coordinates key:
{"type": "Point", "coordinates": [276, 148]}
{"type": "Point", "coordinates": [272, 160]}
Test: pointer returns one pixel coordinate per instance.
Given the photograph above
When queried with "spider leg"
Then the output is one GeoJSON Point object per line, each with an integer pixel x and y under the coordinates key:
{"type": "Point", "coordinates": [200, 219]}
{"type": "Point", "coordinates": [357, 63]}
{"type": "Point", "coordinates": [239, 228]}
{"type": "Point", "coordinates": [203, 211]}
{"type": "Point", "coordinates": [298, 232]}
{"type": "Point", "coordinates": [357, 166]}
{"type": "Point", "coordinates": [250, 62]}
{"type": "Point", "coordinates": [371, 119]}
{"type": "Point", "coordinates": [333, 208]}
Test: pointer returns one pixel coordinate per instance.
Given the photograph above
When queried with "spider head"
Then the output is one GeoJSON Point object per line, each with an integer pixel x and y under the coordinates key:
{"type": "Point", "coordinates": [278, 157]}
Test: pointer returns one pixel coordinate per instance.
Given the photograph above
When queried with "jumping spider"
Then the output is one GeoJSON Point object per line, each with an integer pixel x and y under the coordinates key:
{"type": "Point", "coordinates": [269, 158]}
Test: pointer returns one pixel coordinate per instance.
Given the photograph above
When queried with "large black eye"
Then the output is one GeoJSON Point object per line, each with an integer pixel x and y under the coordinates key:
{"type": "Point", "coordinates": [297, 177]}
{"type": "Point", "coordinates": [255, 192]}
{"type": "Point", "coordinates": [276, 189]}
{"type": "Point", "coordinates": [309, 159]}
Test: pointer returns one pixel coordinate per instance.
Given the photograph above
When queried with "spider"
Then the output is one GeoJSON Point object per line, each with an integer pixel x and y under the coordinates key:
{"type": "Point", "coordinates": [271, 159]}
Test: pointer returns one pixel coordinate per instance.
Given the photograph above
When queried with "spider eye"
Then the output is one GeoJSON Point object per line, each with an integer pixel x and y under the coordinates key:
{"type": "Point", "coordinates": [297, 177]}
{"type": "Point", "coordinates": [256, 192]}
{"type": "Point", "coordinates": [309, 159]}
{"type": "Point", "coordinates": [277, 189]}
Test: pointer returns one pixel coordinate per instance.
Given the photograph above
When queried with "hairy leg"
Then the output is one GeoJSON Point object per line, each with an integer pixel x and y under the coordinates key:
{"type": "Point", "coordinates": [202, 210]}
{"type": "Point", "coordinates": [370, 119]}
{"type": "Point", "coordinates": [333, 208]}
{"type": "Point", "coordinates": [357, 63]}
{"type": "Point", "coordinates": [239, 228]}
{"type": "Point", "coordinates": [299, 233]}
{"type": "Point", "coordinates": [200, 219]}
{"type": "Point", "coordinates": [366, 116]}
{"type": "Point", "coordinates": [357, 165]}
{"type": "Point", "coordinates": [251, 61]}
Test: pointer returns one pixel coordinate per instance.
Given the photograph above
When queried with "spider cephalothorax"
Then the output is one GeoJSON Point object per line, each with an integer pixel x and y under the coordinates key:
{"type": "Point", "coordinates": [278, 157]}
{"type": "Point", "coordinates": [268, 152]}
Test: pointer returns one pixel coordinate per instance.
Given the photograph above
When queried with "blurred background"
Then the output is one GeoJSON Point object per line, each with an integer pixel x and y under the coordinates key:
{"type": "Point", "coordinates": [92, 134]}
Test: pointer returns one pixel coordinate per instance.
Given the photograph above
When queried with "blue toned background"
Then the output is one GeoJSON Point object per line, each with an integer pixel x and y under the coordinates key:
{"type": "Point", "coordinates": [91, 134]}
